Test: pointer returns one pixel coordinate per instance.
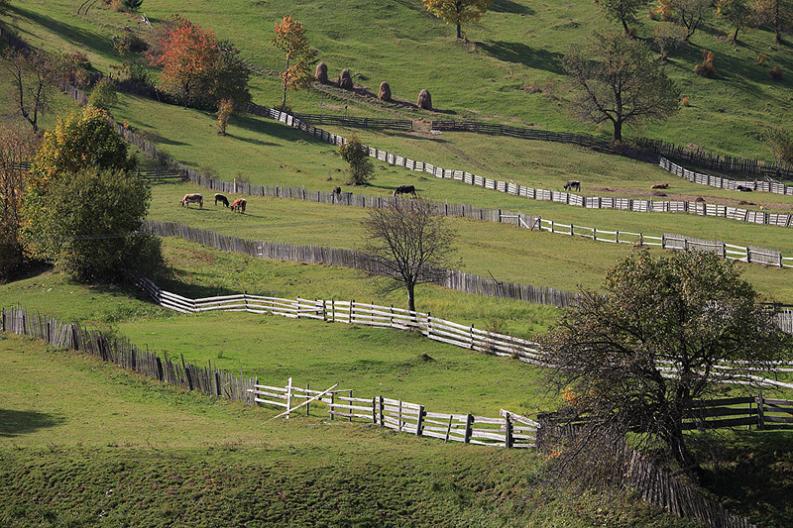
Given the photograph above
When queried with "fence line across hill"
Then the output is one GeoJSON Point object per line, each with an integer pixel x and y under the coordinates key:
{"type": "Point", "coordinates": [434, 328]}
{"type": "Point", "coordinates": [532, 193]}
{"type": "Point", "coordinates": [721, 182]}
{"type": "Point", "coordinates": [761, 256]}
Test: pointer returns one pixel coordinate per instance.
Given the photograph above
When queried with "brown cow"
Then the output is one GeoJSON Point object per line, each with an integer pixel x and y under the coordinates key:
{"type": "Point", "coordinates": [661, 186]}
{"type": "Point", "coordinates": [187, 199]}
{"type": "Point", "coordinates": [239, 205]}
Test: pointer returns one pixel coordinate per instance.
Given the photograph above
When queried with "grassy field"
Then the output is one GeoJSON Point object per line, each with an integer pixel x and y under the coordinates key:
{"type": "Point", "coordinates": [524, 256]}
{"type": "Point", "coordinates": [517, 45]}
{"type": "Point", "coordinates": [71, 427]}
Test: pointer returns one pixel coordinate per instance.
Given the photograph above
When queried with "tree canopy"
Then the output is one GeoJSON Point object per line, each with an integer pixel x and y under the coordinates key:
{"type": "Point", "coordinates": [457, 12]}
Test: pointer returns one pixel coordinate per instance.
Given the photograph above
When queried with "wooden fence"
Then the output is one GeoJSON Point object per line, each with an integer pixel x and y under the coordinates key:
{"type": "Point", "coordinates": [641, 149]}
{"type": "Point", "coordinates": [437, 329]}
{"type": "Point", "coordinates": [509, 430]}
{"type": "Point", "coordinates": [759, 411]}
{"type": "Point", "coordinates": [356, 122]}
{"type": "Point", "coordinates": [721, 182]}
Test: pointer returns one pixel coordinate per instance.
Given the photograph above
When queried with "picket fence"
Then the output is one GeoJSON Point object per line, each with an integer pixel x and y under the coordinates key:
{"type": "Point", "coordinates": [434, 328]}
{"type": "Point", "coordinates": [532, 193]}
{"type": "Point", "coordinates": [509, 430]}
{"type": "Point", "coordinates": [725, 183]}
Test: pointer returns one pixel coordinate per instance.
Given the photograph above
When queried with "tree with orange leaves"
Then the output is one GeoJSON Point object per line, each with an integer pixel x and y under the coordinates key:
{"type": "Point", "coordinates": [290, 37]}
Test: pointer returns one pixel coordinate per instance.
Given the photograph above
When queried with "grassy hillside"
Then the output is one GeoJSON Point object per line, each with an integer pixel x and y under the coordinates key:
{"type": "Point", "coordinates": [149, 455]}
{"type": "Point", "coordinates": [518, 44]}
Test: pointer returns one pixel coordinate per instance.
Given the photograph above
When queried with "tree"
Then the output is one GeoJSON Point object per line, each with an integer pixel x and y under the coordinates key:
{"type": "Point", "coordinates": [198, 69]}
{"type": "Point", "coordinates": [225, 111]}
{"type": "Point", "coordinates": [31, 74]}
{"type": "Point", "coordinates": [623, 11]}
{"type": "Point", "coordinates": [103, 95]}
{"type": "Point", "coordinates": [16, 148]}
{"type": "Point", "coordinates": [780, 141]}
{"type": "Point", "coordinates": [457, 12]}
{"type": "Point", "coordinates": [737, 12]}
{"type": "Point", "coordinates": [667, 38]}
{"type": "Point", "coordinates": [410, 243]}
{"type": "Point", "coordinates": [356, 154]}
{"type": "Point", "coordinates": [91, 223]}
{"type": "Point", "coordinates": [776, 13]}
{"type": "Point", "coordinates": [290, 37]}
{"type": "Point", "coordinates": [80, 140]}
{"type": "Point", "coordinates": [617, 80]}
{"type": "Point", "coordinates": [636, 356]}
{"type": "Point", "coordinates": [690, 14]}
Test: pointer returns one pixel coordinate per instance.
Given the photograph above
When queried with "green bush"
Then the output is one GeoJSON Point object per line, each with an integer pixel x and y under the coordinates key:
{"type": "Point", "coordinates": [103, 95]}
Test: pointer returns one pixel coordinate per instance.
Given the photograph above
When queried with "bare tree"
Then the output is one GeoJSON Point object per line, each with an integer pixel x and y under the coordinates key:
{"type": "Point", "coordinates": [635, 358]}
{"type": "Point", "coordinates": [411, 243]}
{"type": "Point", "coordinates": [30, 80]}
{"type": "Point", "coordinates": [17, 147]}
{"type": "Point", "coordinates": [616, 79]}
{"type": "Point", "coordinates": [690, 14]}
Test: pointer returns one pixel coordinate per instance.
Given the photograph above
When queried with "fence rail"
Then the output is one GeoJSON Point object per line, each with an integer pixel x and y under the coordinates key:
{"type": "Point", "coordinates": [765, 413]}
{"type": "Point", "coordinates": [356, 122]}
{"type": "Point", "coordinates": [725, 183]}
{"type": "Point", "coordinates": [434, 328]}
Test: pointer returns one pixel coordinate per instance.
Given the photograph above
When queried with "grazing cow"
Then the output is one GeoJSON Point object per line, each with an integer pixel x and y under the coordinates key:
{"type": "Point", "coordinates": [744, 188]}
{"type": "Point", "coordinates": [573, 185]}
{"type": "Point", "coordinates": [187, 199]}
{"type": "Point", "coordinates": [661, 186]}
{"type": "Point", "coordinates": [699, 199]}
{"type": "Point", "coordinates": [405, 189]}
{"type": "Point", "coordinates": [222, 199]}
{"type": "Point", "coordinates": [239, 205]}
{"type": "Point", "coordinates": [335, 194]}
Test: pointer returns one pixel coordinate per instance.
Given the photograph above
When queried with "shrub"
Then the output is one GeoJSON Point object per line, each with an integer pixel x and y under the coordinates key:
{"type": "Point", "coordinates": [384, 94]}
{"type": "Point", "coordinates": [356, 154]}
{"type": "Point", "coordinates": [128, 43]}
{"type": "Point", "coordinates": [225, 110]}
{"type": "Point", "coordinates": [75, 69]}
{"type": "Point", "coordinates": [780, 142]}
{"type": "Point", "coordinates": [667, 38]}
{"type": "Point", "coordinates": [706, 68]}
{"type": "Point", "coordinates": [424, 100]}
{"type": "Point", "coordinates": [345, 80]}
{"type": "Point", "coordinates": [775, 73]}
{"type": "Point", "coordinates": [321, 73]}
{"type": "Point", "coordinates": [103, 95]}
{"type": "Point", "coordinates": [684, 101]}
{"type": "Point", "coordinates": [761, 59]}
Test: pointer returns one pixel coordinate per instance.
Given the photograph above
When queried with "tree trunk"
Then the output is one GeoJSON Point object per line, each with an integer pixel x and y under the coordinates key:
{"type": "Point", "coordinates": [286, 82]}
{"type": "Point", "coordinates": [778, 21]}
{"type": "Point", "coordinates": [411, 297]}
{"type": "Point", "coordinates": [618, 131]}
{"type": "Point", "coordinates": [735, 35]}
{"type": "Point", "coordinates": [681, 453]}
{"type": "Point", "coordinates": [459, 31]}
{"type": "Point", "coordinates": [626, 28]}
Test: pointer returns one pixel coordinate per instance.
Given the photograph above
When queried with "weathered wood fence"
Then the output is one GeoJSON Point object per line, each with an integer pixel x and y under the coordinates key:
{"type": "Point", "coordinates": [509, 430]}
{"type": "Point", "coordinates": [437, 329]}
{"type": "Point", "coordinates": [721, 182]}
{"type": "Point", "coordinates": [760, 411]}
{"type": "Point", "coordinates": [356, 122]}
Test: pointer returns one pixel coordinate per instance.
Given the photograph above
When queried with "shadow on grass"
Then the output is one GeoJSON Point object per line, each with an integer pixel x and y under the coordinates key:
{"type": "Point", "coordinates": [14, 423]}
{"type": "Point", "coordinates": [174, 284]}
{"type": "Point", "coordinates": [518, 53]}
{"type": "Point", "coordinates": [73, 34]}
{"type": "Point", "coordinates": [508, 6]}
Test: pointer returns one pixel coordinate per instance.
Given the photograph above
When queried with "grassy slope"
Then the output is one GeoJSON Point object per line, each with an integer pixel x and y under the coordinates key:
{"type": "Point", "coordinates": [524, 256]}
{"type": "Point", "coordinates": [518, 43]}
{"type": "Point", "coordinates": [149, 455]}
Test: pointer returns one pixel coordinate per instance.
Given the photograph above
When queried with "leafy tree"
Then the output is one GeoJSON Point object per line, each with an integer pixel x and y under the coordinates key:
{"type": "Point", "coordinates": [780, 141]}
{"type": "Point", "coordinates": [617, 80]}
{"type": "Point", "coordinates": [457, 12]}
{"type": "Point", "coordinates": [225, 111]}
{"type": "Point", "coordinates": [290, 37]}
{"type": "Point", "coordinates": [411, 244]}
{"type": "Point", "coordinates": [199, 69]}
{"type": "Point", "coordinates": [103, 95]}
{"type": "Point", "coordinates": [637, 355]}
{"type": "Point", "coordinates": [16, 148]}
{"type": "Point", "coordinates": [776, 13]}
{"type": "Point", "coordinates": [356, 154]}
{"type": "Point", "coordinates": [623, 11]}
{"type": "Point", "coordinates": [667, 37]}
{"type": "Point", "coordinates": [79, 141]}
{"type": "Point", "coordinates": [132, 5]}
{"type": "Point", "coordinates": [690, 14]}
{"type": "Point", "coordinates": [738, 12]}
{"type": "Point", "coordinates": [31, 74]}
{"type": "Point", "coordinates": [91, 223]}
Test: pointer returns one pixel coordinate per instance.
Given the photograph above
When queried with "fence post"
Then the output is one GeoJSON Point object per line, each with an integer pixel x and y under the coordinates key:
{"type": "Point", "coordinates": [288, 397]}
{"type": "Point", "coordinates": [471, 336]}
{"type": "Point", "coordinates": [308, 397]}
{"type": "Point", "coordinates": [350, 405]}
{"type": "Point", "coordinates": [429, 324]}
{"type": "Point", "coordinates": [617, 237]}
{"type": "Point", "coordinates": [469, 425]}
{"type": "Point", "coordinates": [508, 431]}
{"type": "Point", "coordinates": [420, 421]}
{"type": "Point", "coordinates": [748, 255]}
{"type": "Point", "coordinates": [760, 408]}
{"type": "Point", "coordinates": [351, 313]}
{"type": "Point", "coordinates": [332, 405]}
{"type": "Point", "coordinates": [4, 320]}
{"type": "Point", "coordinates": [381, 411]}
{"type": "Point", "coordinates": [399, 417]}
{"type": "Point", "coordinates": [374, 409]}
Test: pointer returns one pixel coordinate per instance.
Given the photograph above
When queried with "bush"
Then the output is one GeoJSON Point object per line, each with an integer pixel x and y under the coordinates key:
{"type": "Point", "coordinates": [707, 68]}
{"type": "Point", "coordinates": [356, 154]}
{"type": "Point", "coordinates": [91, 221]}
{"type": "Point", "coordinates": [128, 43]}
{"type": "Point", "coordinates": [225, 110]}
{"type": "Point", "coordinates": [667, 38]}
{"type": "Point", "coordinates": [775, 73]}
{"type": "Point", "coordinates": [103, 95]}
{"type": "Point", "coordinates": [75, 69]}
{"type": "Point", "coordinates": [685, 101]}
{"type": "Point", "coordinates": [780, 142]}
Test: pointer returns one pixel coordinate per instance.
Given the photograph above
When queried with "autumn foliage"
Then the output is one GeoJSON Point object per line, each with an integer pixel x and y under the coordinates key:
{"type": "Point", "coordinates": [290, 37]}
{"type": "Point", "coordinates": [199, 69]}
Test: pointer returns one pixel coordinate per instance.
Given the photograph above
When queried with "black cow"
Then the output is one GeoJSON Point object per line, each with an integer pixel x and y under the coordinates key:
{"type": "Point", "coordinates": [573, 185]}
{"type": "Point", "coordinates": [405, 189]}
{"type": "Point", "coordinates": [744, 188]}
{"type": "Point", "coordinates": [222, 199]}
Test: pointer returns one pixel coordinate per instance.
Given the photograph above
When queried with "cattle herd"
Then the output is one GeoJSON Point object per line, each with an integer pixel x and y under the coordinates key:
{"type": "Point", "coordinates": [237, 205]}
